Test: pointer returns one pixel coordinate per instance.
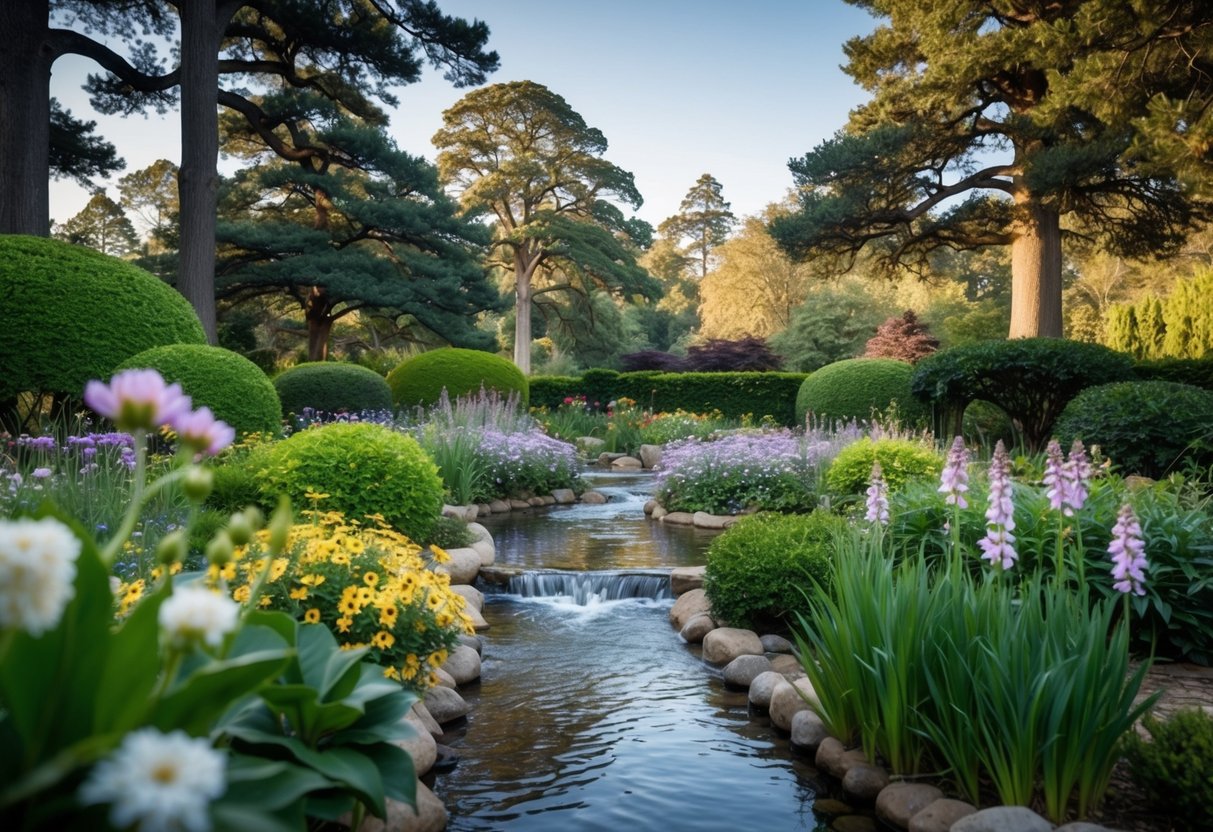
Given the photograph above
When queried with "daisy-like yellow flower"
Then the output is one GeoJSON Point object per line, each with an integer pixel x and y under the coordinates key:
{"type": "Point", "coordinates": [387, 616]}
{"type": "Point", "coordinates": [355, 546]}
{"type": "Point", "coordinates": [370, 579]}
{"type": "Point", "coordinates": [299, 594]}
{"type": "Point", "coordinates": [312, 580]}
{"type": "Point", "coordinates": [340, 558]}
{"type": "Point", "coordinates": [444, 618]}
{"type": "Point", "coordinates": [312, 616]}
{"type": "Point", "coordinates": [383, 640]}
{"type": "Point", "coordinates": [437, 658]}
{"type": "Point", "coordinates": [348, 607]}
{"type": "Point", "coordinates": [344, 623]}
{"type": "Point", "coordinates": [391, 673]}
{"type": "Point", "coordinates": [312, 494]}
{"type": "Point", "coordinates": [364, 596]}
{"type": "Point", "coordinates": [278, 568]}
{"type": "Point", "coordinates": [134, 591]}
{"type": "Point", "coordinates": [433, 600]}
{"type": "Point", "coordinates": [241, 594]}
{"type": "Point", "coordinates": [440, 554]}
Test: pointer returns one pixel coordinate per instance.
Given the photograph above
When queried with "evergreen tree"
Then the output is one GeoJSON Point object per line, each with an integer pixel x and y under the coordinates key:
{"type": "Point", "coordinates": [1151, 327]}
{"type": "Point", "coordinates": [101, 225]}
{"type": "Point", "coordinates": [833, 323]}
{"type": "Point", "coordinates": [1188, 314]}
{"type": "Point", "coordinates": [704, 219]}
{"type": "Point", "coordinates": [151, 195]}
{"type": "Point", "coordinates": [1121, 332]}
{"type": "Point", "coordinates": [902, 337]}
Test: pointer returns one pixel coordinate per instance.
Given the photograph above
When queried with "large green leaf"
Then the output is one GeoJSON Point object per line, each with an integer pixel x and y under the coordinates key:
{"type": "Point", "coordinates": [197, 701]}
{"type": "Point", "coordinates": [333, 672]}
{"type": "Point", "coordinates": [397, 771]}
{"type": "Point", "coordinates": [123, 693]}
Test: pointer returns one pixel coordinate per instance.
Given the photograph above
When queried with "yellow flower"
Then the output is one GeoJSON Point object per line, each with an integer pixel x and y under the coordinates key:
{"type": "Point", "coordinates": [387, 616]}
{"type": "Point", "coordinates": [313, 495]}
{"type": "Point", "coordinates": [134, 591]}
{"type": "Point", "coordinates": [365, 595]}
{"type": "Point", "coordinates": [437, 658]}
{"type": "Point", "coordinates": [278, 568]}
{"type": "Point", "coordinates": [241, 594]}
{"type": "Point", "coordinates": [340, 558]}
{"type": "Point", "coordinates": [391, 673]}
{"type": "Point", "coordinates": [312, 580]}
{"type": "Point", "coordinates": [433, 600]}
{"type": "Point", "coordinates": [344, 624]}
{"type": "Point", "coordinates": [299, 594]}
{"type": "Point", "coordinates": [370, 579]}
{"type": "Point", "coordinates": [312, 616]}
{"type": "Point", "coordinates": [348, 606]}
{"type": "Point", "coordinates": [444, 618]}
{"type": "Point", "coordinates": [383, 640]}
{"type": "Point", "coordinates": [440, 554]}
{"type": "Point", "coordinates": [265, 601]}
{"type": "Point", "coordinates": [355, 546]}
{"type": "Point", "coordinates": [228, 572]}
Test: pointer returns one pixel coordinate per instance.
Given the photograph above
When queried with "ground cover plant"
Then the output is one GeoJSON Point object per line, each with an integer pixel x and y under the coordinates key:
{"type": "Point", "coordinates": [1176, 765]}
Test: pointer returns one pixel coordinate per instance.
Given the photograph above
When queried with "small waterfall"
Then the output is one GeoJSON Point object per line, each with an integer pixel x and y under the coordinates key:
{"type": "Point", "coordinates": [591, 587]}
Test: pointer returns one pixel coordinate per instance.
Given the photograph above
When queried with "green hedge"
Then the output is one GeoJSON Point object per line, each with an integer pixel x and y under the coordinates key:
{"type": "Point", "coordinates": [330, 387]}
{"type": "Point", "coordinates": [733, 394]}
{"type": "Point", "coordinates": [1197, 372]}
{"type": "Point", "coordinates": [421, 380]}
{"type": "Point", "coordinates": [71, 314]}
{"type": "Point", "coordinates": [856, 388]}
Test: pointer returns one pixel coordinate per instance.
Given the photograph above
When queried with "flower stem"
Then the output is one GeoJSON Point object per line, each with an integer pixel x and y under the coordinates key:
{"type": "Point", "coordinates": [110, 552]}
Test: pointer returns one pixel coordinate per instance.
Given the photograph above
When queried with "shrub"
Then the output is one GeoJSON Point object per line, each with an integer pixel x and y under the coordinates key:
{"type": "Point", "coordinates": [757, 569]}
{"type": "Point", "coordinates": [652, 360]}
{"type": "Point", "coordinates": [421, 380]}
{"type": "Point", "coordinates": [1176, 767]}
{"type": "Point", "coordinates": [854, 388]}
{"type": "Point", "coordinates": [900, 460]}
{"type": "Point", "coordinates": [903, 338]}
{"type": "Point", "coordinates": [234, 388]}
{"type": "Point", "coordinates": [451, 533]}
{"type": "Point", "coordinates": [1195, 371]}
{"type": "Point", "coordinates": [72, 314]}
{"type": "Point", "coordinates": [330, 387]}
{"type": "Point", "coordinates": [1032, 379]}
{"type": "Point", "coordinates": [748, 354]}
{"type": "Point", "coordinates": [1145, 427]}
{"type": "Point", "coordinates": [364, 469]}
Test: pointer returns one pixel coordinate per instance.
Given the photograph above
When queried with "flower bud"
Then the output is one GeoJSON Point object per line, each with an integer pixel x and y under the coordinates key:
{"type": "Point", "coordinates": [172, 548]}
{"type": "Point", "coordinates": [240, 529]}
{"type": "Point", "coordinates": [198, 483]}
{"type": "Point", "coordinates": [219, 551]}
{"type": "Point", "coordinates": [280, 526]}
{"type": "Point", "coordinates": [255, 517]}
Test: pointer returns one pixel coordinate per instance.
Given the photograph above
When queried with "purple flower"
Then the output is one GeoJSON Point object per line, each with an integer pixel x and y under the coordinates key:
{"type": "Point", "coordinates": [955, 478]}
{"type": "Point", "coordinates": [40, 473]}
{"type": "Point", "coordinates": [200, 431]}
{"type": "Point", "coordinates": [878, 497]}
{"type": "Point", "coordinates": [1055, 478]}
{"type": "Point", "coordinates": [1077, 471]}
{"type": "Point", "coordinates": [1128, 553]}
{"type": "Point", "coordinates": [997, 546]}
{"type": "Point", "coordinates": [137, 399]}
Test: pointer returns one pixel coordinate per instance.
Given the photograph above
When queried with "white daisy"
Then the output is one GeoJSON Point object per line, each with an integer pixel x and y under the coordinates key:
{"type": "Point", "coordinates": [37, 572]}
{"type": "Point", "coordinates": [194, 614]}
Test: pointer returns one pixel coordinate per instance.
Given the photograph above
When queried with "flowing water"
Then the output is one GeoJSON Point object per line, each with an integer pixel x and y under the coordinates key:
{"type": "Point", "coordinates": [591, 713]}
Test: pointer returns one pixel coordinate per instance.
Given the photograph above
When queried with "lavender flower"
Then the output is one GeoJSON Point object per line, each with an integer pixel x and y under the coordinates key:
{"type": "Point", "coordinates": [137, 399]}
{"type": "Point", "coordinates": [878, 497]}
{"type": "Point", "coordinates": [997, 546]}
{"type": "Point", "coordinates": [200, 431]}
{"type": "Point", "coordinates": [1055, 478]}
{"type": "Point", "coordinates": [955, 478]}
{"type": "Point", "coordinates": [1128, 553]}
{"type": "Point", "coordinates": [1077, 471]}
{"type": "Point", "coordinates": [40, 473]}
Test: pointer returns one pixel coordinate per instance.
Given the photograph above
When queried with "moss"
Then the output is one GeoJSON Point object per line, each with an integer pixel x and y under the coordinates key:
{"type": "Point", "coordinates": [856, 388]}
{"type": "Point", "coordinates": [330, 387]}
{"type": "Point", "coordinates": [421, 380]}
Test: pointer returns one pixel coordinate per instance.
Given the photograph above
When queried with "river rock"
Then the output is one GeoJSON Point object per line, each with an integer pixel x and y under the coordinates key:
{"type": "Point", "coordinates": [548, 499]}
{"type": "Point", "coordinates": [659, 512]}
{"type": "Point", "coordinates": [852, 823]}
{"type": "Point", "coordinates": [608, 457]}
{"type": "Point", "coordinates": [899, 802]}
{"type": "Point", "coordinates": [445, 704]}
{"type": "Point", "coordinates": [462, 567]}
{"type": "Point", "coordinates": [518, 504]}
{"type": "Point", "coordinates": [941, 815]}
{"type": "Point", "coordinates": [1083, 826]}
{"type": "Point", "coordinates": [564, 496]}
{"type": "Point", "coordinates": [703, 520]}
{"type": "Point", "coordinates": [740, 672]}
{"type": "Point", "coordinates": [419, 745]}
{"type": "Point", "coordinates": [427, 720]}
{"type": "Point", "coordinates": [463, 664]}
{"type": "Point", "coordinates": [429, 816]}
{"type": "Point", "coordinates": [590, 445]}
{"type": "Point", "coordinates": [535, 502]}
{"type": "Point", "coordinates": [650, 455]}
{"type": "Point", "coordinates": [724, 644]}
{"type": "Point", "coordinates": [477, 618]}
{"type": "Point", "coordinates": [789, 699]}
{"type": "Point", "coordinates": [808, 731]}
{"type": "Point", "coordinates": [628, 463]}
{"type": "Point", "coordinates": [829, 754]}
{"type": "Point", "coordinates": [475, 642]}
{"type": "Point", "coordinates": [469, 593]}
{"type": "Point", "coordinates": [593, 498]}
{"type": "Point", "coordinates": [464, 513]}
{"type": "Point", "coordinates": [788, 665]}
{"type": "Point", "coordinates": [649, 505]}
{"type": "Point", "coordinates": [499, 506]}
{"type": "Point", "coordinates": [763, 687]}
{"type": "Point", "coordinates": [699, 626]}
{"type": "Point", "coordinates": [484, 510]}
{"type": "Point", "coordinates": [1003, 819]}
{"type": "Point", "coordinates": [864, 781]}
{"type": "Point", "coordinates": [678, 518]}
{"type": "Point", "coordinates": [685, 578]}
{"type": "Point", "coordinates": [445, 679]}
{"type": "Point", "coordinates": [776, 644]}
{"type": "Point", "coordinates": [689, 605]}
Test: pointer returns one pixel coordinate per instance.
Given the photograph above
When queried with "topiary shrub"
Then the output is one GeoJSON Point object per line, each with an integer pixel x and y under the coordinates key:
{"type": "Point", "coordinates": [234, 388]}
{"type": "Point", "coordinates": [363, 469]}
{"type": "Point", "coordinates": [330, 387]}
{"type": "Point", "coordinates": [757, 569]}
{"type": "Point", "coordinates": [901, 460]}
{"type": "Point", "coordinates": [1195, 371]}
{"type": "Point", "coordinates": [1176, 767]}
{"type": "Point", "coordinates": [421, 380]}
{"type": "Point", "coordinates": [1145, 427]}
{"type": "Point", "coordinates": [72, 314]}
{"type": "Point", "coordinates": [854, 388]}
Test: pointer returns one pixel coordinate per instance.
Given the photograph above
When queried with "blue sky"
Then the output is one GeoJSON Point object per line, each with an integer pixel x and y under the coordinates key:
{"type": "Point", "coordinates": [679, 88]}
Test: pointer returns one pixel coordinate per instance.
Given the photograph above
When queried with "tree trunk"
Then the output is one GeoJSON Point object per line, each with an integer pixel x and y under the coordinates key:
{"type": "Point", "coordinates": [25, 116]}
{"type": "Point", "coordinates": [1036, 271]}
{"type": "Point", "coordinates": [319, 316]}
{"type": "Point", "coordinates": [522, 317]}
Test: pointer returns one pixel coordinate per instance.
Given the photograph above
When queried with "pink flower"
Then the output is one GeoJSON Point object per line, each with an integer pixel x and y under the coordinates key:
{"type": "Point", "coordinates": [997, 546]}
{"type": "Point", "coordinates": [955, 477]}
{"type": "Point", "coordinates": [878, 497]}
{"type": "Point", "coordinates": [1055, 478]}
{"type": "Point", "coordinates": [1077, 471]}
{"type": "Point", "coordinates": [1128, 552]}
{"type": "Point", "coordinates": [202, 432]}
{"type": "Point", "coordinates": [137, 399]}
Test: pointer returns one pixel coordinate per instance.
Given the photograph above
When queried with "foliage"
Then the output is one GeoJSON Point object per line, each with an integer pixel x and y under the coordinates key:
{"type": "Point", "coordinates": [856, 389]}
{"type": "Point", "coordinates": [1144, 427]}
{"type": "Point", "coordinates": [832, 324]}
{"type": "Point", "coordinates": [151, 195]}
{"type": "Point", "coordinates": [652, 360]}
{"type": "Point", "coordinates": [421, 380]}
{"type": "Point", "coordinates": [756, 569]}
{"type": "Point", "coordinates": [746, 354]}
{"type": "Point", "coordinates": [984, 424]}
{"type": "Point", "coordinates": [1175, 767]}
{"type": "Point", "coordinates": [1031, 379]}
{"type": "Point", "coordinates": [901, 460]}
{"type": "Point", "coordinates": [332, 388]}
{"type": "Point", "coordinates": [451, 533]}
{"type": "Point", "coordinates": [1197, 372]}
{"type": "Point", "coordinates": [365, 470]}
{"type": "Point", "coordinates": [703, 218]}
{"type": "Point", "coordinates": [101, 225]}
{"type": "Point", "coordinates": [903, 338]}
{"type": "Point", "coordinates": [1179, 326]}
{"type": "Point", "coordinates": [234, 388]}
{"type": "Point", "coordinates": [57, 334]}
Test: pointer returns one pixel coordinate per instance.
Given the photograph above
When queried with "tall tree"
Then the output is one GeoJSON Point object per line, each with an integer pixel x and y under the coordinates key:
{"type": "Point", "coordinates": [101, 225]}
{"type": "Point", "coordinates": [520, 153]}
{"type": "Point", "coordinates": [992, 102]}
{"type": "Point", "coordinates": [151, 195]}
{"type": "Point", "coordinates": [703, 218]}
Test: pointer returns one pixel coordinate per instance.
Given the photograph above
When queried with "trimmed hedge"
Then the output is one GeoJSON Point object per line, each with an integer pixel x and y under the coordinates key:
{"type": "Point", "coordinates": [854, 388]}
{"type": "Point", "coordinates": [72, 314]}
{"type": "Point", "coordinates": [234, 388]}
{"type": "Point", "coordinates": [1197, 372]}
{"type": "Point", "coordinates": [733, 394]}
{"type": "Point", "coordinates": [330, 387]}
{"type": "Point", "coordinates": [421, 380]}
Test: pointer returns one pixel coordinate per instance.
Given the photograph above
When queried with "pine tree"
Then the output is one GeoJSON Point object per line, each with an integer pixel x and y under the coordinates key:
{"type": "Point", "coordinates": [102, 225]}
{"type": "Point", "coordinates": [704, 219]}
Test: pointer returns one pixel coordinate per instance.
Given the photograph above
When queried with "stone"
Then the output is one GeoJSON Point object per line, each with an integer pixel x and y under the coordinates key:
{"type": "Point", "coordinates": [864, 781]}
{"type": "Point", "coordinates": [776, 644]}
{"type": "Point", "coordinates": [475, 642]}
{"type": "Point", "coordinates": [689, 605]}
{"type": "Point", "coordinates": [484, 510]}
{"type": "Point", "coordinates": [593, 498]}
{"type": "Point", "coordinates": [486, 550]}
{"type": "Point", "coordinates": [1083, 826]}
{"type": "Point", "coordinates": [548, 499]}
{"type": "Point", "coordinates": [941, 815]}
{"type": "Point", "coordinates": [899, 802]}
{"type": "Point", "coordinates": [703, 520]}
{"type": "Point", "coordinates": [853, 823]}
{"type": "Point", "coordinates": [536, 502]}
{"type": "Point", "coordinates": [564, 496]}
{"type": "Point", "coordinates": [589, 445]}
{"type": "Point", "coordinates": [463, 663]}
{"type": "Point", "coordinates": [829, 754]}
{"type": "Point", "coordinates": [1003, 819]}
{"type": "Point", "coordinates": [473, 596]}
{"type": "Point", "coordinates": [419, 745]}
{"type": "Point", "coordinates": [479, 532]}
{"type": "Point", "coordinates": [607, 457]}
{"type": "Point", "coordinates": [499, 506]}
{"type": "Point", "coordinates": [427, 719]}
{"type": "Point", "coordinates": [724, 644]}
{"type": "Point", "coordinates": [789, 699]}
{"type": "Point", "coordinates": [808, 731]}
{"type": "Point", "coordinates": [744, 669]}
{"type": "Point", "coordinates": [699, 626]}
{"type": "Point", "coordinates": [445, 678]}
{"type": "Point", "coordinates": [649, 505]}
{"type": "Point", "coordinates": [463, 566]}
{"type": "Point", "coordinates": [659, 512]}
{"type": "Point", "coordinates": [429, 816]}
{"type": "Point", "coordinates": [650, 455]}
{"type": "Point", "coordinates": [445, 704]}
{"type": "Point", "coordinates": [763, 687]}
{"type": "Point", "coordinates": [829, 806]}
{"type": "Point", "coordinates": [519, 505]}
{"type": "Point", "coordinates": [685, 578]}
{"type": "Point", "coordinates": [788, 665]}
{"type": "Point", "coordinates": [477, 617]}
{"type": "Point", "coordinates": [628, 463]}
{"type": "Point", "coordinates": [457, 512]}
{"type": "Point", "coordinates": [678, 518]}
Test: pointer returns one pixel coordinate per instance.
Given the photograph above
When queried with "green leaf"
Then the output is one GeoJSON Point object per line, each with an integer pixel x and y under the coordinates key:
{"type": "Point", "coordinates": [196, 702]}
{"type": "Point", "coordinates": [125, 687]}
{"type": "Point", "coordinates": [333, 672]}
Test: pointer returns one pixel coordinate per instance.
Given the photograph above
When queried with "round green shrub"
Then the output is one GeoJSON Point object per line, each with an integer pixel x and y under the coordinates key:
{"type": "Point", "coordinates": [758, 568]}
{"type": "Point", "coordinates": [234, 388]}
{"type": "Point", "coordinates": [421, 380]}
{"type": "Point", "coordinates": [330, 387]}
{"type": "Point", "coordinates": [854, 388]}
{"type": "Point", "coordinates": [1145, 427]}
{"type": "Point", "coordinates": [364, 469]}
{"type": "Point", "coordinates": [1176, 766]}
{"type": "Point", "coordinates": [72, 314]}
{"type": "Point", "coordinates": [900, 461]}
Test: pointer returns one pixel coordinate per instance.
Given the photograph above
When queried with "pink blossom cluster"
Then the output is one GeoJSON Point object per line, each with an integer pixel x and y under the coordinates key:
{"type": "Point", "coordinates": [141, 400]}
{"type": "Point", "coordinates": [954, 481]}
{"type": "Point", "coordinates": [878, 497]}
{"type": "Point", "coordinates": [997, 546]}
{"type": "Point", "coordinates": [1128, 553]}
{"type": "Point", "coordinates": [1067, 480]}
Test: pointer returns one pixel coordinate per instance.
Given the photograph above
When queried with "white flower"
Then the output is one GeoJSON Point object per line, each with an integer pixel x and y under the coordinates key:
{"type": "Point", "coordinates": [162, 782]}
{"type": "Point", "coordinates": [37, 572]}
{"type": "Point", "coordinates": [194, 614]}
